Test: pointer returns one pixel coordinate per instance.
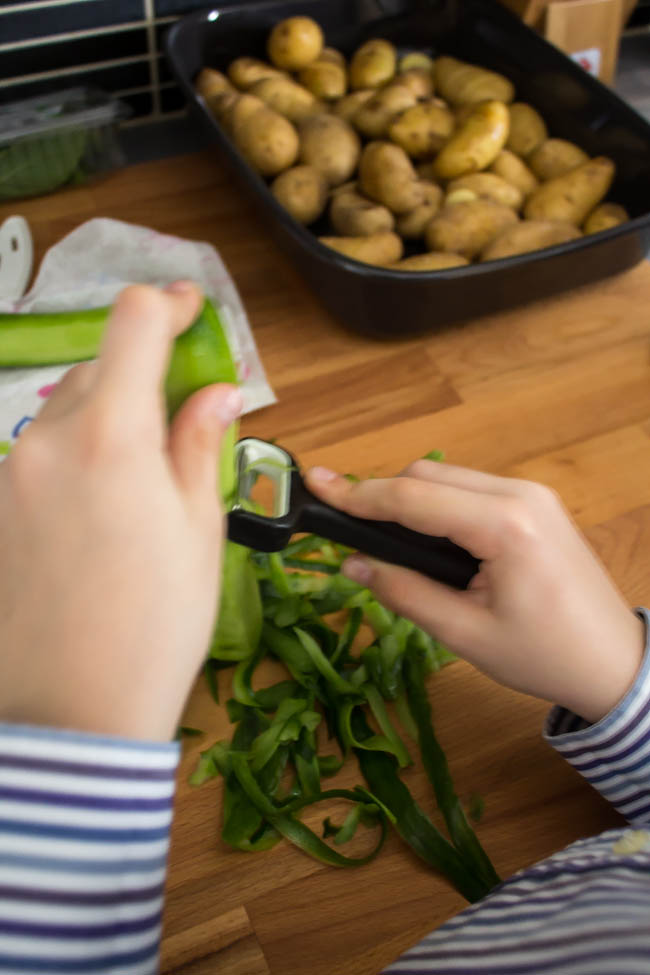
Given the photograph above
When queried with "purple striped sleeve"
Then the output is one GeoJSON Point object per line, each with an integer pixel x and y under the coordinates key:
{"type": "Point", "coordinates": [614, 754]}
{"type": "Point", "coordinates": [84, 835]}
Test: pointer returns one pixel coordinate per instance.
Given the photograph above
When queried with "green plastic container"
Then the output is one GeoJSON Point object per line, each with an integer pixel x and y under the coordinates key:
{"type": "Point", "coordinates": [62, 139]}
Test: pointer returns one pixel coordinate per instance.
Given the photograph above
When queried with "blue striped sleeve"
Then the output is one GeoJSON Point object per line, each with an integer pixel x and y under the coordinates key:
{"type": "Point", "coordinates": [84, 835]}
{"type": "Point", "coordinates": [584, 910]}
{"type": "Point", "coordinates": [614, 754]}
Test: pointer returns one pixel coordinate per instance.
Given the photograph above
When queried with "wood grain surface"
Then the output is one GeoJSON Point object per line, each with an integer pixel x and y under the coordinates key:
{"type": "Point", "coordinates": [558, 392]}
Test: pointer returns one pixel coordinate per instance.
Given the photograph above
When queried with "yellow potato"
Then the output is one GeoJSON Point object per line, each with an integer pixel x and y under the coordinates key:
{"type": "Point", "coordinates": [416, 60]}
{"type": "Point", "coordinates": [412, 224]}
{"type": "Point", "coordinates": [529, 235]}
{"type": "Point", "coordinates": [460, 83]}
{"type": "Point", "coordinates": [376, 114]}
{"type": "Point", "coordinates": [348, 106]}
{"type": "Point", "coordinates": [527, 129]}
{"type": "Point", "coordinates": [286, 97]}
{"type": "Point", "coordinates": [515, 171]}
{"type": "Point", "coordinates": [294, 43]}
{"type": "Point", "coordinates": [431, 261]}
{"type": "Point", "coordinates": [267, 140]}
{"type": "Point", "coordinates": [488, 186]}
{"type": "Point", "coordinates": [332, 55]}
{"type": "Point", "coordinates": [210, 82]}
{"type": "Point", "coordinates": [467, 228]}
{"type": "Point", "coordinates": [324, 79]}
{"type": "Point", "coordinates": [460, 196]}
{"type": "Point", "coordinates": [386, 174]}
{"type": "Point", "coordinates": [604, 217]}
{"type": "Point", "coordinates": [476, 143]}
{"type": "Point", "coordinates": [331, 145]}
{"type": "Point", "coordinates": [353, 215]}
{"type": "Point", "coordinates": [301, 190]}
{"type": "Point", "coordinates": [244, 72]}
{"type": "Point", "coordinates": [373, 64]}
{"type": "Point", "coordinates": [381, 248]}
{"type": "Point", "coordinates": [570, 198]}
{"type": "Point", "coordinates": [419, 80]}
{"type": "Point", "coordinates": [422, 129]}
{"type": "Point", "coordinates": [234, 112]}
{"type": "Point", "coordinates": [555, 157]}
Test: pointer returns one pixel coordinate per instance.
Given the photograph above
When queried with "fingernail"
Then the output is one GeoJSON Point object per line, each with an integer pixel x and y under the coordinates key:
{"type": "Point", "coordinates": [322, 474]}
{"type": "Point", "coordinates": [229, 408]}
{"type": "Point", "coordinates": [358, 569]}
{"type": "Point", "coordinates": [179, 287]}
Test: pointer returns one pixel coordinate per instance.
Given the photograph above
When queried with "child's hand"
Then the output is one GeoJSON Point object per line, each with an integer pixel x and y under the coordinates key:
{"type": "Point", "coordinates": [111, 531]}
{"type": "Point", "coordinates": [541, 616]}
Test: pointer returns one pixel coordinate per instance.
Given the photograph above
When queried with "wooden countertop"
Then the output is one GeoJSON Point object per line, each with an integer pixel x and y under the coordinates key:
{"type": "Point", "coordinates": [558, 392]}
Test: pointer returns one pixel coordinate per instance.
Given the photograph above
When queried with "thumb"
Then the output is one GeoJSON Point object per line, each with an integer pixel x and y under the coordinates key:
{"type": "Point", "coordinates": [195, 439]}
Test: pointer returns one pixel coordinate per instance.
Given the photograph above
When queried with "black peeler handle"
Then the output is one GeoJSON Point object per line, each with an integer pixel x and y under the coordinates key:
{"type": "Point", "coordinates": [438, 558]}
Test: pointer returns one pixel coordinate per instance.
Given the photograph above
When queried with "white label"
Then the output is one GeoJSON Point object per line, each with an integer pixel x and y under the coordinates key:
{"type": "Point", "coordinates": [589, 60]}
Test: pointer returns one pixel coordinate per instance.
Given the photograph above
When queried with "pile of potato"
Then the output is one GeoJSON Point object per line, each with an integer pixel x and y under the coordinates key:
{"type": "Point", "coordinates": [406, 149]}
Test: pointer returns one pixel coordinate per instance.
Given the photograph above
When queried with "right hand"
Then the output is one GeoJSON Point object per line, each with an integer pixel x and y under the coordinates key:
{"type": "Point", "coordinates": [541, 616]}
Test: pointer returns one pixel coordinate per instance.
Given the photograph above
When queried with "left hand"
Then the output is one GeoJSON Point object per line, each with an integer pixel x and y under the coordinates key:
{"type": "Point", "coordinates": [111, 535]}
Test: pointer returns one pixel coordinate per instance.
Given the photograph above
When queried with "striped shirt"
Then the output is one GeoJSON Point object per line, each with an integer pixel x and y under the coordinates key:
{"type": "Point", "coordinates": [84, 833]}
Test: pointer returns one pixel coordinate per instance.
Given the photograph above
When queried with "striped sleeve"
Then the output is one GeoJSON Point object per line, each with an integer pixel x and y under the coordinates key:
{"type": "Point", "coordinates": [584, 910]}
{"type": "Point", "coordinates": [614, 754]}
{"type": "Point", "coordinates": [84, 835]}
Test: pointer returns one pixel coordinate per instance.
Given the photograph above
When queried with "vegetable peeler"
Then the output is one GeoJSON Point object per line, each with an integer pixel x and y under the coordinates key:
{"type": "Point", "coordinates": [295, 509]}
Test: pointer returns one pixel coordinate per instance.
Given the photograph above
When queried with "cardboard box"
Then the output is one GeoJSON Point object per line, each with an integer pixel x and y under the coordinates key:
{"type": "Point", "coordinates": [587, 30]}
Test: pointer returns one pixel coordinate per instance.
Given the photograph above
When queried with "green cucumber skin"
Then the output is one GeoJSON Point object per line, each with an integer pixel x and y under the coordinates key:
{"type": "Point", "coordinates": [51, 339]}
{"type": "Point", "coordinates": [200, 356]}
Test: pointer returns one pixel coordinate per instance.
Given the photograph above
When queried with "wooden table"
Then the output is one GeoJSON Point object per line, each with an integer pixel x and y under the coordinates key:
{"type": "Point", "coordinates": [558, 392]}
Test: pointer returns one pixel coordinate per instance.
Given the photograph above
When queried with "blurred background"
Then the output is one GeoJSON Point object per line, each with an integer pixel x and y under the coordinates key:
{"type": "Point", "coordinates": [117, 45]}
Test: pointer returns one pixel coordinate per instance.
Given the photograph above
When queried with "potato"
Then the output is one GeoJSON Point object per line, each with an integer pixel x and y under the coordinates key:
{"type": "Point", "coordinates": [476, 144]}
{"type": "Point", "coordinates": [222, 103]}
{"type": "Point", "coordinates": [487, 186]}
{"type": "Point", "coordinates": [386, 174]}
{"type": "Point", "coordinates": [235, 112]}
{"type": "Point", "coordinates": [301, 190]}
{"type": "Point", "coordinates": [381, 248]}
{"type": "Point", "coordinates": [209, 83]}
{"type": "Point", "coordinates": [353, 215]}
{"type": "Point", "coordinates": [422, 130]}
{"type": "Point", "coordinates": [412, 224]}
{"type": "Point", "coordinates": [267, 140]}
{"type": "Point", "coordinates": [419, 80]}
{"type": "Point", "coordinates": [555, 157]}
{"type": "Point", "coordinates": [244, 72]}
{"type": "Point", "coordinates": [333, 56]}
{"type": "Point", "coordinates": [529, 235]}
{"type": "Point", "coordinates": [331, 145]}
{"type": "Point", "coordinates": [460, 83]}
{"type": "Point", "coordinates": [375, 115]}
{"type": "Point", "coordinates": [515, 171]}
{"type": "Point", "coordinates": [431, 261]}
{"type": "Point", "coordinates": [373, 64]}
{"type": "Point", "coordinates": [348, 106]}
{"type": "Point", "coordinates": [605, 216]}
{"type": "Point", "coordinates": [324, 79]}
{"type": "Point", "coordinates": [286, 97]}
{"type": "Point", "coordinates": [570, 198]}
{"type": "Point", "coordinates": [460, 196]}
{"type": "Point", "coordinates": [467, 228]}
{"type": "Point", "coordinates": [527, 129]}
{"type": "Point", "coordinates": [416, 60]}
{"type": "Point", "coordinates": [294, 43]}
